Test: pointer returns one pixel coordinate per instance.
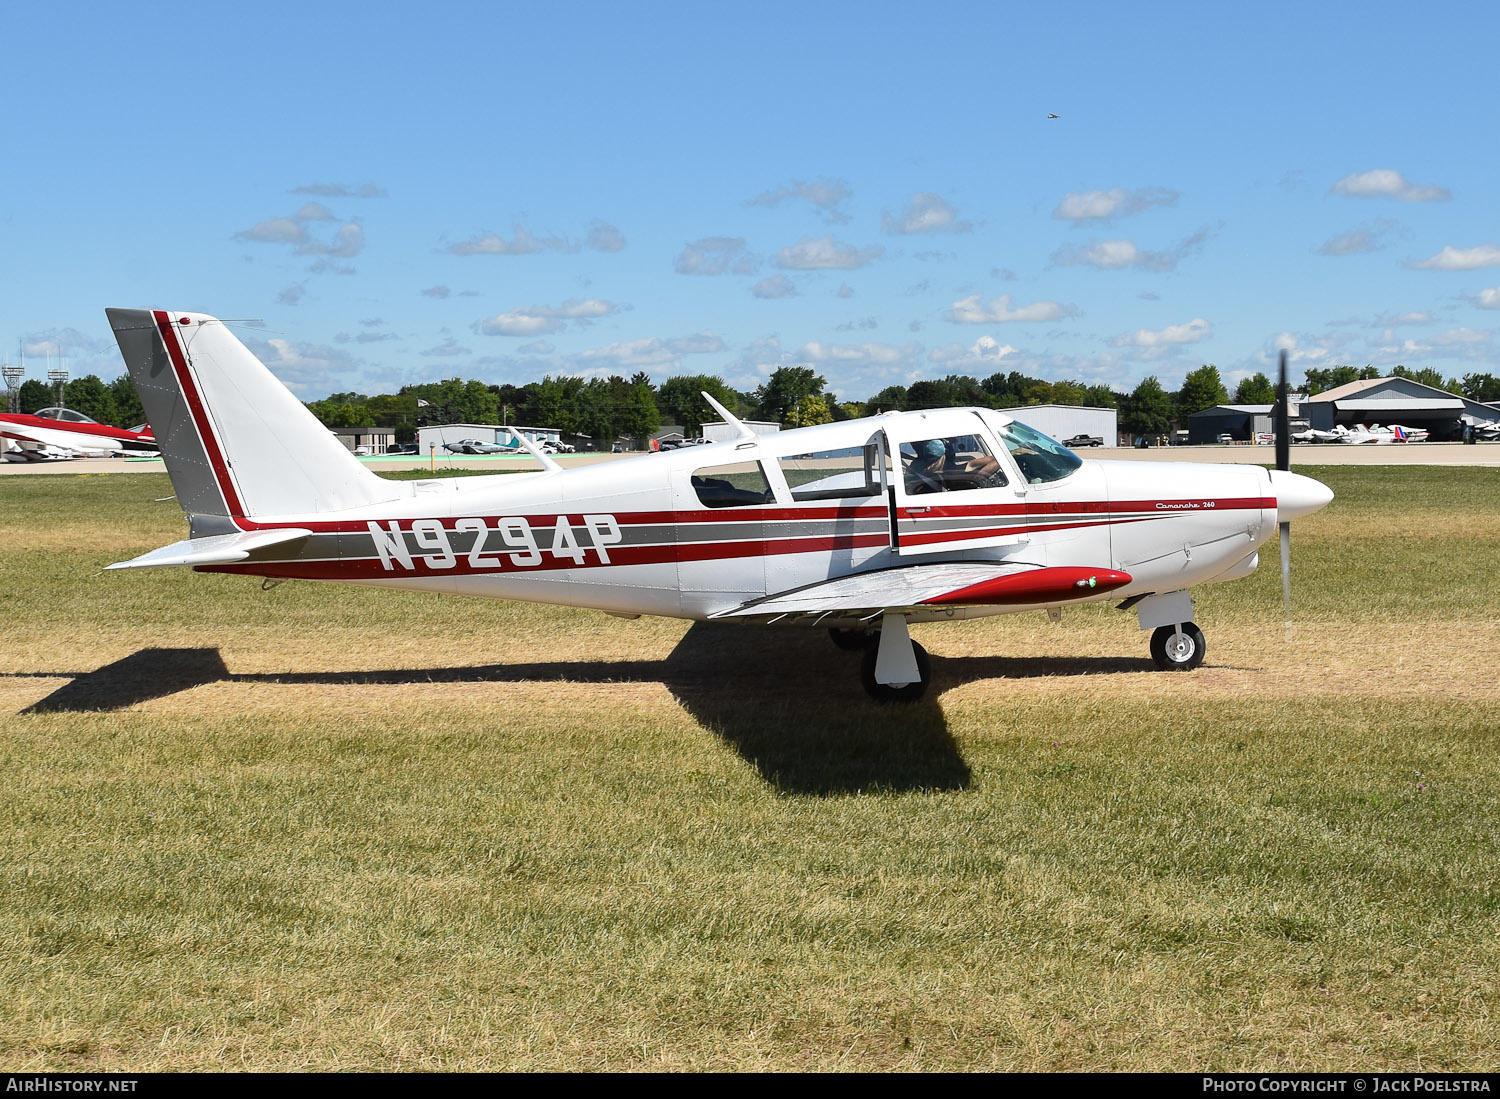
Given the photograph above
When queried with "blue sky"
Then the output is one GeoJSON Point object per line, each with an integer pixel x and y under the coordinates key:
{"type": "Point", "coordinates": [407, 193]}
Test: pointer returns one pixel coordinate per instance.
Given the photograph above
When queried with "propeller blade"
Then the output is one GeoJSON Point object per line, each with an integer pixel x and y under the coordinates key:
{"type": "Point", "coordinates": [1281, 423]}
{"type": "Point", "coordinates": [1286, 575]}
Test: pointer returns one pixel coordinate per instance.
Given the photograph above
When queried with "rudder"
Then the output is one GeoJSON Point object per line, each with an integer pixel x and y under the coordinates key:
{"type": "Point", "coordinates": [236, 442]}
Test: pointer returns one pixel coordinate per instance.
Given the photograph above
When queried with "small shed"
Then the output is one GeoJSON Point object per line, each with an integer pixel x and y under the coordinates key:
{"type": "Point", "coordinates": [366, 440]}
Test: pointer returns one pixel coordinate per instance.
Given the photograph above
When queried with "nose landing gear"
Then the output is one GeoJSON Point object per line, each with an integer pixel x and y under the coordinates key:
{"type": "Point", "coordinates": [1178, 648]}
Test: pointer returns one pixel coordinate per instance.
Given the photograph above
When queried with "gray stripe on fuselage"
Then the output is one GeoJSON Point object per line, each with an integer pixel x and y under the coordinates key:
{"type": "Point", "coordinates": [356, 545]}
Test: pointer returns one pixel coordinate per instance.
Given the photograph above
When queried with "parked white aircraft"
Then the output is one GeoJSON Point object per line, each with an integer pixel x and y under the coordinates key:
{"type": "Point", "coordinates": [1376, 435]}
{"type": "Point", "coordinates": [1489, 430]}
{"type": "Point", "coordinates": [862, 526]}
{"type": "Point", "coordinates": [475, 446]}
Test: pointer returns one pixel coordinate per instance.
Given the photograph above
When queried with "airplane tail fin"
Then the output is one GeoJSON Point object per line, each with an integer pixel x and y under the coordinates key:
{"type": "Point", "coordinates": [235, 441]}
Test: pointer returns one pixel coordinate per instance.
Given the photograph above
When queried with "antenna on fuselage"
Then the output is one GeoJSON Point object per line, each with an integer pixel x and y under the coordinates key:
{"type": "Point", "coordinates": [729, 417]}
{"type": "Point", "coordinates": [531, 448]}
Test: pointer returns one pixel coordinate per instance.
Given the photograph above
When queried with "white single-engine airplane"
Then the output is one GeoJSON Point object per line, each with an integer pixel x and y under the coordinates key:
{"type": "Point", "coordinates": [861, 526]}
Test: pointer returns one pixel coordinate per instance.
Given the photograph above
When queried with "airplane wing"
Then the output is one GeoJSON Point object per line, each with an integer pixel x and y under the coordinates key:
{"type": "Point", "coordinates": [221, 549]}
{"type": "Point", "coordinates": [928, 586]}
{"type": "Point", "coordinates": [76, 441]}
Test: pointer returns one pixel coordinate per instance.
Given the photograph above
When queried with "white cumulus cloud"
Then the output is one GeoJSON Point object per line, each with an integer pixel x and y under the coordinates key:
{"type": "Point", "coordinates": [1488, 299]}
{"type": "Point", "coordinates": [925, 213]}
{"type": "Point", "coordinates": [827, 195]}
{"type": "Point", "coordinates": [348, 242]}
{"type": "Point", "coordinates": [972, 310]}
{"type": "Point", "coordinates": [275, 231]}
{"type": "Point", "coordinates": [985, 352]}
{"type": "Point", "coordinates": [1171, 336]}
{"type": "Point", "coordinates": [1388, 183]}
{"type": "Point", "coordinates": [715, 256]}
{"type": "Point", "coordinates": [1365, 238]}
{"type": "Point", "coordinates": [540, 320]}
{"type": "Point", "coordinates": [1463, 259]}
{"type": "Point", "coordinates": [522, 243]}
{"type": "Point", "coordinates": [1115, 255]}
{"type": "Point", "coordinates": [604, 237]}
{"type": "Point", "coordinates": [776, 286]}
{"type": "Point", "coordinates": [825, 253]}
{"type": "Point", "coordinates": [1116, 202]}
{"type": "Point", "coordinates": [862, 354]}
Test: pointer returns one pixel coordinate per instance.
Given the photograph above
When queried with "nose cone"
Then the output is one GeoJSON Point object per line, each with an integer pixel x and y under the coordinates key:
{"type": "Point", "coordinates": [1297, 495]}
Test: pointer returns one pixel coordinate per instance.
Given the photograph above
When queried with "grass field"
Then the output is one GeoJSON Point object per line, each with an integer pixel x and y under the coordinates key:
{"type": "Point", "coordinates": [332, 827]}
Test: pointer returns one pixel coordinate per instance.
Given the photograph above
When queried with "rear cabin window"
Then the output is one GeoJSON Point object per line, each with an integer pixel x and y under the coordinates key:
{"type": "Point", "coordinates": [738, 485]}
{"type": "Point", "coordinates": [852, 472]}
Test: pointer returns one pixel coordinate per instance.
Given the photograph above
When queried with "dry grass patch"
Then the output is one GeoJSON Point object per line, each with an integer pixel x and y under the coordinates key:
{"type": "Point", "coordinates": [333, 827]}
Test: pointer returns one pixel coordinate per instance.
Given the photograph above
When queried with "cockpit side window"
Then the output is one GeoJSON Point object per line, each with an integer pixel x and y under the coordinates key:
{"type": "Point", "coordinates": [1040, 457]}
{"type": "Point", "coordinates": [738, 485]}
{"type": "Point", "coordinates": [949, 464]}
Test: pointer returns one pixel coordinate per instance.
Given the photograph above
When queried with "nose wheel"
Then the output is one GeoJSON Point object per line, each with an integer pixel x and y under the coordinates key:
{"type": "Point", "coordinates": [1178, 648]}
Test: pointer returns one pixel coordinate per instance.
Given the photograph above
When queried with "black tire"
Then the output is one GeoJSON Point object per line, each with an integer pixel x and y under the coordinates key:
{"type": "Point", "coordinates": [852, 640]}
{"type": "Point", "coordinates": [884, 692]}
{"type": "Point", "coordinates": [1170, 656]}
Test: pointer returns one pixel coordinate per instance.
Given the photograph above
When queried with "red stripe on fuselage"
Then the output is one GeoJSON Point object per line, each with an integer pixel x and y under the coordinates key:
{"type": "Point", "coordinates": [371, 568]}
{"type": "Point", "coordinates": [200, 414]}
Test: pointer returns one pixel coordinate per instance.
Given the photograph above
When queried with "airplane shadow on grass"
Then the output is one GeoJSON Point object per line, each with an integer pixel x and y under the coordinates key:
{"type": "Point", "coordinates": [786, 700]}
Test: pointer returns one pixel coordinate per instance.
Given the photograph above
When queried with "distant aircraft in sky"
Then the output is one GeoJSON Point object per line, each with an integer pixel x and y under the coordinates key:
{"type": "Point", "coordinates": [1054, 116]}
{"type": "Point", "coordinates": [63, 433]}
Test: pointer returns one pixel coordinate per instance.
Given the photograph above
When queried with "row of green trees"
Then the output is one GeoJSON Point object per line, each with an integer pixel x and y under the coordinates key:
{"type": "Point", "coordinates": [605, 409]}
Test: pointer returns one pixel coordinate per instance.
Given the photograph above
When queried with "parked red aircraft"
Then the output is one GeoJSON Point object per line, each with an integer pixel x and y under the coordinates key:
{"type": "Point", "coordinates": [63, 433]}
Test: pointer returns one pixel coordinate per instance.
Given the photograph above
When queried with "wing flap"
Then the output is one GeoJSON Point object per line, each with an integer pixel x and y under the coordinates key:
{"type": "Point", "coordinates": [221, 549]}
{"type": "Point", "coordinates": [943, 584]}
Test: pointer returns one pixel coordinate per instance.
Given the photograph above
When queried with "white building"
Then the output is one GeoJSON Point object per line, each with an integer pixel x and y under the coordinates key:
{"type": "Point", "coordinates": [1063, 421]}
{"type": "Point", "coordinates": [720, 432]}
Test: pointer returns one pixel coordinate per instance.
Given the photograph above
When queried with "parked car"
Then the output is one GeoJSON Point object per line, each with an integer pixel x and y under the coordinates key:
{"type": "Point", "coordinates": [1225, 437]}
{"type": "Point", "coordinates": [1083, 440]}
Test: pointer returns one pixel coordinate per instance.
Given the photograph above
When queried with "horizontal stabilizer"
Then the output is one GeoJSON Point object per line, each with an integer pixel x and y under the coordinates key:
{"type": "Point", "coordinates": [942, 584]}
{"type": "Point", "coordinates": [221, 549]}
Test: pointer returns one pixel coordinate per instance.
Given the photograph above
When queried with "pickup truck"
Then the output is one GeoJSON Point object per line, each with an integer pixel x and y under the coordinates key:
{"type": "Point", "coordinates": [1083, 440]}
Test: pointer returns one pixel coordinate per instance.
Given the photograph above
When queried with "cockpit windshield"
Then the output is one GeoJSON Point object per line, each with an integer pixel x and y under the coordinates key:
{"type": "Point", "coordinates": [1040, 457]}
{"type": "Point", "coordinates": [66, 414]}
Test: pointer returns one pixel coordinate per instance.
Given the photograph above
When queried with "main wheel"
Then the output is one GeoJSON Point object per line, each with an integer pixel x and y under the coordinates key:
{"type": "Point", "coordinates": [1178, 654]}
{"type": "Point", "coordinates": [901, 692]}
{"type": "Point", "coordinates": [852, 641]}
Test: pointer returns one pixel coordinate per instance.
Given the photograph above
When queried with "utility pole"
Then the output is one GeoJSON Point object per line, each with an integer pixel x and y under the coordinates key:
{"type": "Point", "coordinates": [58, 376]}
{"type": "Point", "coordinates": [13, 376]}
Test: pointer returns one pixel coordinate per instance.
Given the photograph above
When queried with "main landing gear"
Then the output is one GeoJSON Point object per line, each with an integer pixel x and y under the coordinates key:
{"type": "Point", "coordinates": [894, 668]}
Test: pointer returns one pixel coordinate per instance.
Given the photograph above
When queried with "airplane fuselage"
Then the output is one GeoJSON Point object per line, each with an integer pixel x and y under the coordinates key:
{"type": "Point", "coordinates": [634, 536]}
